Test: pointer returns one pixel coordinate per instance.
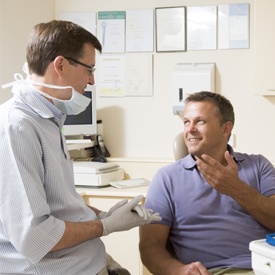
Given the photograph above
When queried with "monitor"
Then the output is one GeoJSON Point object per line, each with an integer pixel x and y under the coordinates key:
{"type": "Point", "coordinates": [85, 122]}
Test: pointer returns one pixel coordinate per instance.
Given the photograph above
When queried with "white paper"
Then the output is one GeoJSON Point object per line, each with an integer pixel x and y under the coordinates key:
{"type": "Point", "coordinates": [201, 28]}
{"type": "Point", "coordinates": [139, 74]}
{"type": "Point", "coordinates": [139, 31]}
{"type": "Point", "coordinates": [111, 31]}
{"type": "Point", "coordinates": [85, 19]}
{"type": "Point", "coordinates": [234, 26]}
{"type": "Point", "coordinates": [170, 29]}
{"type": "Point", "coordinates": [111, 74]}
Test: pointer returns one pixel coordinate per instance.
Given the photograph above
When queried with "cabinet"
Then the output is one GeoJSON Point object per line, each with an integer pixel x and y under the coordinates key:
{"type": "Point", "coordinates": [263, 257]}
{"type": "Point", "coordinates": [264, 47]}
{"type": "Point", "coordinates": [122, 246]}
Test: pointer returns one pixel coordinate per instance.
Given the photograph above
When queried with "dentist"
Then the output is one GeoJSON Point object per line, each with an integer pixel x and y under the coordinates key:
{"type": "Point", "coordinates": [45, 227]}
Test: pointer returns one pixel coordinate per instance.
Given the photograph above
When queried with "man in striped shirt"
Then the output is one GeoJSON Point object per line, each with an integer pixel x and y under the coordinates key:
{"type": "Point", "coordinates": [45, 227]}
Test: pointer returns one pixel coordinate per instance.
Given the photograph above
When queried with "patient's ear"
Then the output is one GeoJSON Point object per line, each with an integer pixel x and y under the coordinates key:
{"type": "Point", "coordinates": [227, 128]}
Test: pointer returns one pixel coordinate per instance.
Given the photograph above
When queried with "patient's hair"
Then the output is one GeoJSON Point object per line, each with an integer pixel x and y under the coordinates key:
{"type": "Point", "coordinates": [223, 105]}
{"type": "Point", "coordinates": [54, 38]}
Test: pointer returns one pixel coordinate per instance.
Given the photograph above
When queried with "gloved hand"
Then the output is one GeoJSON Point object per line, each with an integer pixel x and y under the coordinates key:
{"type": "Point", "coordinates": [103, 214]}
{"type": "Point", "coordinates": [127, 216]}
{"type": "Point", "coordinates": [146, 213]}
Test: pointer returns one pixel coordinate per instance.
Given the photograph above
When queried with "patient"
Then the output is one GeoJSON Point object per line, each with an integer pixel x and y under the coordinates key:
{"type": "Point", "coordinates": [213, 202]}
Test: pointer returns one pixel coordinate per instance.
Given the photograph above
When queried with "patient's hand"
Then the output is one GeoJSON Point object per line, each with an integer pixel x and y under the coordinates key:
{"type": "Point", "coordinates": [195, 268]}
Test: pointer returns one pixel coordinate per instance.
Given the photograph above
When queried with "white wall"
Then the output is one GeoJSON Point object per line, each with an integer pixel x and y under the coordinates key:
{"type": "Point", "coordinates": [144, 128]}
{"type": "Point", "coordinates": [17, 19]}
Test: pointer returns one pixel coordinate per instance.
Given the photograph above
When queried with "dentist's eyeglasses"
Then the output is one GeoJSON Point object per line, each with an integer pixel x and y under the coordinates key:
{"type": "Point", "coordinates": [91, 69]}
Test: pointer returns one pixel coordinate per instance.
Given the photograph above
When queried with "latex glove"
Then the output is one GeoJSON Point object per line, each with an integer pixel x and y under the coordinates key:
{"type": "Point", "coordinates": [128, 216]}
{"type": "Point", "coordinates": [142, 211]}
{"type": "Point", "coordinates": [146, 213]}
{"type": "Point", "coordinates": [103, 214]}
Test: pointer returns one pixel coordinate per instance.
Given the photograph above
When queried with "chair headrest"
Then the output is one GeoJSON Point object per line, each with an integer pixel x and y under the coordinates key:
{"type": "Point", "coordinates": [179, 147]}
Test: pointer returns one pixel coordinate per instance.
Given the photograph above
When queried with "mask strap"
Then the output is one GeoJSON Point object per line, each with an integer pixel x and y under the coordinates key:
{"type": "Point", "coordinates": [18, 78]}
{"type": "Point", "coordinates": [25, 69]}
{"type": "Point", "coordinates": [49, 85]}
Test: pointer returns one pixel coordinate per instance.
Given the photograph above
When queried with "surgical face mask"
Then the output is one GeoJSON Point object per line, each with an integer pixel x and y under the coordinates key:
{"type": "Point", "coordinates": [73, 106]}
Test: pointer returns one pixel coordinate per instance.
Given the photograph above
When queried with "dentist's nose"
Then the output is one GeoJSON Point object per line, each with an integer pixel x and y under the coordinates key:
{"type": "Point", "coordinates": [91, 80]}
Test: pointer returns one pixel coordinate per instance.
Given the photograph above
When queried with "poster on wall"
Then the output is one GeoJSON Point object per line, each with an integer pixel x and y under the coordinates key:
{"type": "Point", "coordinates": [85, 19]}
{"type": "Point", "coordinates": [139, 31]}
{"type": "Point", "coordinates": [111, 31]}
{"type": "Point", "coordinates": [201, 28]}
{"type": "Point", "coordinates": [170, 29]}
{"type": "Point", "coordinates": [233, 26]}
{"type": "Point", "coordinates": [111, 79]}
{"type": "Point", "coordinates": [139, 74]}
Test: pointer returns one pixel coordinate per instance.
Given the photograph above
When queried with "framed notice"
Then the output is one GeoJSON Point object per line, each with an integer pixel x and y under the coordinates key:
{"type": "Point", "coordinates": [85, 19]}
{"type": "Point", "coordinates": [202, 28]}
{"type": "Point", "coordinates": [111, 31]}
{"type": "Point", "coordinates": [234, 26]}
{"type": "Point", "coordinates": [170, 29]}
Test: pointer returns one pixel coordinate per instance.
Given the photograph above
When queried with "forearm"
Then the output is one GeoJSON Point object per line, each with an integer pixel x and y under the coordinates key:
{"type": "Point", "coordinates": [158, 260]}
{"type": "Point", "coordinates": [260, 207]}
{"type": "Point", "coordinates": [78, 232]}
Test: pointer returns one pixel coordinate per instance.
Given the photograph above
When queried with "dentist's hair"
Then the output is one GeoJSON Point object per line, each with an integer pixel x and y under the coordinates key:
{"type": "Point", "coordinates": [224, 108]}
{"type": "Point", "coordinates": [54, 38]}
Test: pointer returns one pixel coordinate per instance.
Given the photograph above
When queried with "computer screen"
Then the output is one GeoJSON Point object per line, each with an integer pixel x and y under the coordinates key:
{"type": "Point", "coordinates": [85, 122]}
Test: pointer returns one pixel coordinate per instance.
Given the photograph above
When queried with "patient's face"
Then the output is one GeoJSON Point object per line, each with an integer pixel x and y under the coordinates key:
{"type": "Point", "coordinates": [203, 132]}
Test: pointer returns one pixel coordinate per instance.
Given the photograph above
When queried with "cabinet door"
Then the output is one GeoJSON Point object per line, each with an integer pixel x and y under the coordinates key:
{"type": "Point", "coordinates": [122, 246]}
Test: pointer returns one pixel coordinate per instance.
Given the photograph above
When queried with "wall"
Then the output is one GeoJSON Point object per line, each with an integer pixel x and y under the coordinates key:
{"type": "Point", "coordinates": [144, 128]}
{"type": "Point", "coordinates": [16, 21]}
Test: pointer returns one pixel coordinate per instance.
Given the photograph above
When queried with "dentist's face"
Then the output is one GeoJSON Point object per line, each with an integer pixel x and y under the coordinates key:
{"type": "Point", "coordinates": [203, 132]}
{"type": "Point", "coordinates": [79, 76]}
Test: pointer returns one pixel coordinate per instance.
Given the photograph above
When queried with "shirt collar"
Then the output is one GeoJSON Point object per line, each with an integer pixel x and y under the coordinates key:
{"type": "Point", "coordinates": [59, 117]}
{"type": "Point", "coordinates": [51, 106]}
{"type": "Point", "coordinates": [189, 162]}
{"type": "Point", "coordinates": [30, 96]}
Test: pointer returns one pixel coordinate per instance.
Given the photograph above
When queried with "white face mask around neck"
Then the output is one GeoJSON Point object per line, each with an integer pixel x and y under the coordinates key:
{"type": "Point", "coordinates": [73, 106]}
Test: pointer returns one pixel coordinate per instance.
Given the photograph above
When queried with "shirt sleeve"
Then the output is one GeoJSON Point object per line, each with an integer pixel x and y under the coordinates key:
{"type": "Point", "coordinates": [267, 177]}
{"type": "Point", "coordinates": [25, 214]}
{"type": "Point", "coordinates": [158, 197]}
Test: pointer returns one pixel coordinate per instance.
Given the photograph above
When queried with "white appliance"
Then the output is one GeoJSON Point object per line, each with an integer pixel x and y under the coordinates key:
{"type": "Point", "coordinates": [188, 78]}
{"type": "Point", "coordinates": [263, 257]}
{"type": "Point", "coordinates": [96, 174]}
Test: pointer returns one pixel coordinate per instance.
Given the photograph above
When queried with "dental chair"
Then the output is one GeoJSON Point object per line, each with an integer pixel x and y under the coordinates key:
{"type": "Point", "coordinates": [179, 147]}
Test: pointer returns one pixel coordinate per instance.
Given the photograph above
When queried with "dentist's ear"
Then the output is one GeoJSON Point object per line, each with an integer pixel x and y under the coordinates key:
{"type": "Point", "coordinates": [58, 64]}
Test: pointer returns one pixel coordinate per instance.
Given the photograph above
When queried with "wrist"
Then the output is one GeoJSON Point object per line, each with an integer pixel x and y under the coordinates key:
{"type": "Point", "coordinates": [104, 226]}
{"type": "Point", "coordinates": [99, 228]}
{"type": "Point", "coordinates": [102, 214]}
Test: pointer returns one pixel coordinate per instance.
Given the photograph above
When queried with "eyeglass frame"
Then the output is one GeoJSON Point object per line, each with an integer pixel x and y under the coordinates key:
{"type": "Point", "coordinates": [91, 69]}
